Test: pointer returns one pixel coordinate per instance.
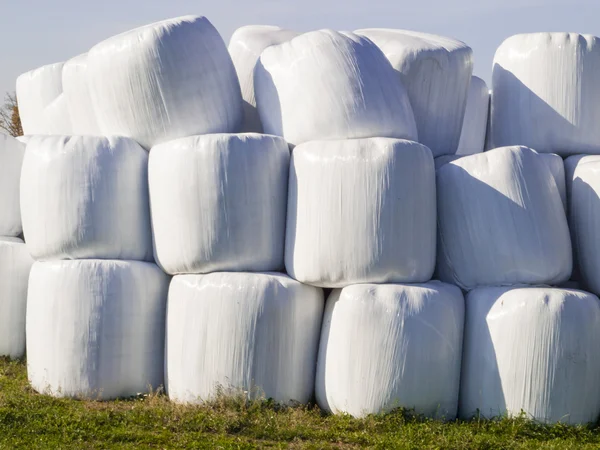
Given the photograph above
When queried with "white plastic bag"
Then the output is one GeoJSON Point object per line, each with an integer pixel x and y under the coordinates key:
{"type": "Point", "coordinates": [15, 264]}
{"type": "Point", "coordinates": [330, 85]}
{"type": "Point", "coordinates": [546, 94]}
{"type": "Point", "coordinates": [389, 346]}
{"type": "Point", "coordinates": [219, 203]}
{"type": "Point", "coordinates": [245, 46]}
{"type": "Point", "coordinates": [533, 350]}
{"type": "Point", "coordinates": [472, 136]}
{"type": "Point", "coordinates": [86, 197]}
{"type": "Point", "coordinates": [436, 71]}
{"type": "Point", "coordinates": [256, 333]}
{"type": "Point", "coordinates": [95, 328]}
{"type": "Point", "coordinates": [164, 81]}
{"type": "Point", "coordinates": [501, 221]}
{"type": "Point", "coordinates": [361, 211]}
{"type": "Point", "coordinates": [11, 159]}
{"type": "Point", "coordinates": [77, 96]}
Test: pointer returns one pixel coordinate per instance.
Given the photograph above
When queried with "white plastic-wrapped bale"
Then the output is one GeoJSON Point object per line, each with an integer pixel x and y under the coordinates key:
{"type": "Point", "coordinates": [436, 71]}
{"type": "Point", "coordinates": [218, 203]}
{"type": "Point", "coordinates": [95, 328]}
{"type": "Point", "coordinates": [546, 94]}
{"type": "Point", "coordinates": [15, 264]}
{"type": "Point", "coordinates": [11, 159]}
{"type": "Point", "coordinates": [77, 96]}
{"type": "Point", "coordinates": [42, 107]}
{"type": "Point", "coordinates": [361, 211]}
{"type": "Point", "coordinates": [86, 197]}
{"type": "Point", "coordinates": [245, 47]}
{"type": "Point", "coordinates": [557, 168]}
{"type": "Point", "coordinates": [501, 221]}
{"type": "Point", "coordinates": [389, 346]}
{"type": "Point", "coordinates": [229, 333]}
{"type": "Point", "coordinates": [532, 349]}
{"type": "Point", "coordinates": [164, 81]}
{"type": "Point", "coordinates": [330, 85]}
{"type": "Point", "coordinates": [585, 220]}
{"type": "Point", "coordinates": [472, 136]}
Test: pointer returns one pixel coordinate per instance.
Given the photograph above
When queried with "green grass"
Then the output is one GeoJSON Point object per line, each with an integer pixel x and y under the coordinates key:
{"type": "Point", "coordinates": [29, 420]}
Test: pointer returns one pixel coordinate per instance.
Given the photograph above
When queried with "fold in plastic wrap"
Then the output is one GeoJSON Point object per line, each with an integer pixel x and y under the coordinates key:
{"type": "Point", "coordinates": [11, 159]}
{"type": "Point", "coordinates": [389, 346]}
{"type": "Point", "coordinates": [95, 328]}
{"type": "Point", "coordinates": [42, 107]}
{"type": "Point", "coordinates": [245, 46]}
{"type": "Point", "coordinates": [15, 264]}
{"type": "Point", "coordinates": [219, 203]}
{"type": "Point", "coordinates": [501, 221]}
{"type": "Point", "coordinates": [330, 85]}
{"type": "Point", "coordinates": [436, 71]}
{"type": "Point", "coordinates": [585, 220]}
{"type": "Point", "coordinates": [77, 96]}
{"type": "Point", "coordinates": [546, 94]}
{"type": "Point", "coordinates": [533, 350]}
{"type": "Point", "coordinates": [86, 197]}
{"type": "Point", "coordinates": [164, 81]}
{"type": "Point", "coordinates": [361, 211]}
{"type": "Point", "coordinates": [229, 333]}
{"type": "Point", "coordinates": [474, 127]}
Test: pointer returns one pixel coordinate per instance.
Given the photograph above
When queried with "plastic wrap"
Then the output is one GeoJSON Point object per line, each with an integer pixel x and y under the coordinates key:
{"type": "Point", "coordinates": [501, 221]}
{"type": "Point", "coordinates": [42, 108]}
{"type": "Point", "coordinates": [584, 220]}
{"type": "Point", "coordinates": [164, 81]}
{"type": "Point", "coordinates": [330, 85]}
{"type": "Point", "coordinates": [245, 47]}
{"type": "Point", "coordinates": [472, 136]}
{"type": "Point", "coordinates": [533, 350]}
{"type": "Point", "coordinates": [361, 211]}
{"type": "Point", "coordinates": [444, 159]}
{"type": "Point", "coordinates": [11, 159]}
{"type": "Point", "coordinates": [570, 164]}
{"type": "Point", "coordinates": [546, 94]}
{"type": "Point", "coordinates": [389, 346]}
{"type": "Point", "coordinates": [95, 328]}
{"type": "Point", "coordinates": [219, 203]}
{"type": "Point", "coordinates": [77, 96]}
{"type": "Point", "coordinates": [86, 197]}
{"type": "Point", "coordinates": [436, 71]}
{"type": "Point", "coordinates": [557, 168]}
{"type": "Point", "coordinates": [15, 264]}
{"type": "Point", "coordinates": [256, 333]}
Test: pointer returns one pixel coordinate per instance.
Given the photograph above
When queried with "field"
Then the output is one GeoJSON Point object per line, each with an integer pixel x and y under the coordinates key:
{"type": "Point", "coordinates": [29, 420]}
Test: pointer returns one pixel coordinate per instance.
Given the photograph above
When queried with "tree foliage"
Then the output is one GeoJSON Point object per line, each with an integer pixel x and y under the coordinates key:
{"type": "Point", "coordinates": [10, 121]}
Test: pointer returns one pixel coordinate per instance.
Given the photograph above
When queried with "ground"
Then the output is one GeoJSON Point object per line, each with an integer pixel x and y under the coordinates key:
{"type": "Point", "coordinates": [29, 420]}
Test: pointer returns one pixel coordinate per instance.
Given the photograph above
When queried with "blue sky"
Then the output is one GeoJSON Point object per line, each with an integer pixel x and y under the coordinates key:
{"type": "Point", "coordinates": [38, 32]}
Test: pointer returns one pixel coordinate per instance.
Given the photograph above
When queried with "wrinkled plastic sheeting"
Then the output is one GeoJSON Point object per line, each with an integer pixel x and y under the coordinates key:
{"type": "Point", "coordinates": [15, 264]}
{"type": "Point", "coordinates": [77, 95]}
{"type": "Point", "coordinates": [533, 350]}
{"type": "Point", "coordinates": [472, 136]}
{"type": "Point", "coordinates": [436, 71]}
{"type": "Point", "coordinates": [96, 328]}
{"type": "Point", "coordinates": [164, 81]}
{"type": "Point", "coordinates": [218, 203]}
{"type": "Point", "coordinates": [501, 221]}
{"type": "Point", "coordinates": [330, 85]}
{"type": "Point", "coordinates": [546, 94]}
{"type": "Point", "coordinates": [584, 220]}
{"type": "Point", "coordinates": [389, 346]}
{"type": "Point", "coordinates": [361, 211]}
{"type": "Point", "coordinates": [557, 168]}
{"type": "Point", "coordinates": [229, 333]}
{"type": "Point", "coordinates": [11, 159]}
{"type": "Point", "coordinates": [42, 107]}
{"type": "Point", "coordinates": [245, 46]}
{"type": "Point", "coordinates": [86, 197]}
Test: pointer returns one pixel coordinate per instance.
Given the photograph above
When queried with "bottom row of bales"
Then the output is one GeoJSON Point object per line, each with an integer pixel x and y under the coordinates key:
{"type": "Point", "coordinates": [96, 328]}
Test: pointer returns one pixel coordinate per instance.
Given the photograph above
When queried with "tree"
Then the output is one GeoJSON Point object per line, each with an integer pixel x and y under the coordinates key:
{"type": "Point", "coordinates": [10, 121]}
